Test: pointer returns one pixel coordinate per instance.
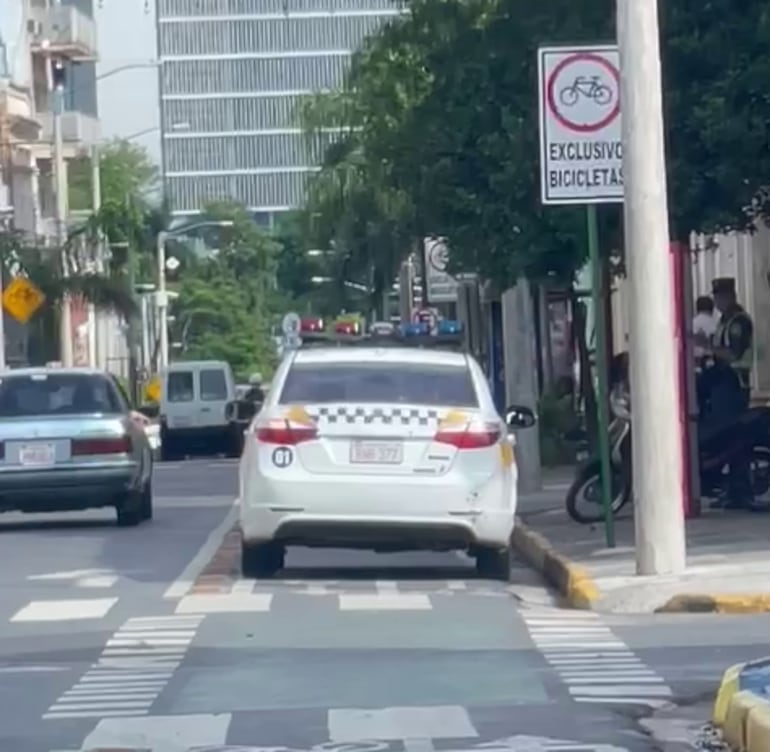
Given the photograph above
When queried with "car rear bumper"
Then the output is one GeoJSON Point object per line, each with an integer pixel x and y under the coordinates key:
{"type": "Point", "coordinates": [377, 513]}
{"type": "Point", "coordinates": [66, 488]}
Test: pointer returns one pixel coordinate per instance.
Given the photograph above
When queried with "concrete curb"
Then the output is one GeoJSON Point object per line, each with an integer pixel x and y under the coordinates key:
{"type": "Point", "coordinates": [748, 603]}
{"type": "Point", "coordinates": [743, 716]}
{"type": "Point", "coordinates": [573, 582]}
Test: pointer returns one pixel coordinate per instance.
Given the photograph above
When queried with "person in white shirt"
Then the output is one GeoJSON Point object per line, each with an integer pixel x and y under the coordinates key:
{"type": "Point", "coordinates": [704, 325]}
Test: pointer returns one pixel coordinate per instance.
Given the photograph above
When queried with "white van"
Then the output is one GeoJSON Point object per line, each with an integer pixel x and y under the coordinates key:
{"type": "Point", "coordinates": [194, 397]}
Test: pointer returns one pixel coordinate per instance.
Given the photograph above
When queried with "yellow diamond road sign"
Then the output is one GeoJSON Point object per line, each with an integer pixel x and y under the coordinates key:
{"type": "Point", "coordinates": [22, 299]}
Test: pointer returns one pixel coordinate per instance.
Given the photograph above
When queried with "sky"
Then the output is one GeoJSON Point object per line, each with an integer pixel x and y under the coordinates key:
{"type": "Point", "coordinates": [128, 100]}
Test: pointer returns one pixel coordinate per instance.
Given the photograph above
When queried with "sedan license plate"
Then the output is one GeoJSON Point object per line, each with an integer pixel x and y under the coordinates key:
{"type": "Point", "coordinates": [377, 452]}
{"type": "Point", "coordinates": [37, 455]}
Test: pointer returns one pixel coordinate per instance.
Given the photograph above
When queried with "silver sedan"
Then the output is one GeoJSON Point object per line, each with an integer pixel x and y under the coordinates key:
{"type": "Point", "coordinates": [69, 441]}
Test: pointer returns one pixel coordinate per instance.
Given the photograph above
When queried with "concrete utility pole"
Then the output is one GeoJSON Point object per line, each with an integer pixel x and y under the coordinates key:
{"type": "Point", "coordinates": [520, 378]}
{"type": "Point", "coordinates": [95, 345]}
{"type": "Point", "coordinates": [60, 189]}
{"type": "Point", "coordinates": [657, 429]}
{"type": "Point", "coordinates": [161, 297]}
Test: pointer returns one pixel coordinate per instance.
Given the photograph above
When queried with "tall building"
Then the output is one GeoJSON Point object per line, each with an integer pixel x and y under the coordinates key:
{"type": "Point", "coordinates": [35, 34]}
{"type": "Point", "coordinates": [232, 76]}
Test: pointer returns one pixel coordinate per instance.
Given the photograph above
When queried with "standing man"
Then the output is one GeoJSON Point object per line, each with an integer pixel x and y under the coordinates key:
{"type": "Point", "coordinates": [732, 351]}
{"type": "Point", "coordinates": [734, 338]}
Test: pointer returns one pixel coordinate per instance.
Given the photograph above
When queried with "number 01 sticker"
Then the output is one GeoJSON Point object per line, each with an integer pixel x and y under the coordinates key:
{"type": "Point", "coordinates": [283, 457]}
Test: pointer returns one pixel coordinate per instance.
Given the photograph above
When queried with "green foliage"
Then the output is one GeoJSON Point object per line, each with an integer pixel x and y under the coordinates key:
{"type": "Point", "coordinates": [126, 170]}
{"type": "Point", "coordinates": [226, 304]}
{"type": "Point", "coordinates": [438, 129]}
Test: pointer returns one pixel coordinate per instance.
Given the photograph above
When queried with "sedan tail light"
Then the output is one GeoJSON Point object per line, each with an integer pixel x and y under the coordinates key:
{"type": "Point", "coordinates": [469, 436]}
{"type": "Point", "coordinates": [285, 432]}
{"type": "Point", "coordinates": [110, 445]}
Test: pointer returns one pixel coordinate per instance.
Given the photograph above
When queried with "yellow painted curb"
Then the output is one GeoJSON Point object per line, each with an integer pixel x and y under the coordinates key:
{"type": "Point", "coordinates": [743, 716]}
{"type": "Point", "coordinates": [734, 731]}
{"type": "Point", "coordinates": [727, 690]}
{"type": "Point", "coordinates": [758, 729]}
{"type": "Point", "coordinates": [747, 603]}
{"type": "Point", "coordinates": [572, 581]}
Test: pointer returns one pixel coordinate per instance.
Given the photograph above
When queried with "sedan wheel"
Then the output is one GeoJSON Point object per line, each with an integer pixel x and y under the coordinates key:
{"type": "Point", "coordinates": [262, 559]}
{"type": "Point", "coordinates": [495, 563]}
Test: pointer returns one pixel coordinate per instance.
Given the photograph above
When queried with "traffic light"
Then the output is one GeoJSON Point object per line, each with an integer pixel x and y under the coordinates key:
{"type": "Point", "coordinates": [58, 74]}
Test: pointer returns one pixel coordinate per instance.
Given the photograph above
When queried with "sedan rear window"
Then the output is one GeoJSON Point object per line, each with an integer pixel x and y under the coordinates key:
{"type": "Point", "coordinates": [57, 394]}
{"type": "Point", "coordinates": [399, 383]}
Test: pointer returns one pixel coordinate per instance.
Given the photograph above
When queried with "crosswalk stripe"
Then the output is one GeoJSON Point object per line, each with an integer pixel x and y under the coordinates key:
{"type": "Point", "coordinates": [131, 672]}
{"type": "Point", "coordinates": [594, 664]}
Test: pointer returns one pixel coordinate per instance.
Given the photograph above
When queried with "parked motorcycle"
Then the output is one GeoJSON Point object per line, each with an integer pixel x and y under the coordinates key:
{"type": "Point", "coordinates": [584, 498]}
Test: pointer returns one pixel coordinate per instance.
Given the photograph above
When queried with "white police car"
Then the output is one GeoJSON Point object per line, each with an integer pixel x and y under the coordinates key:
{"type": "Point", "coordinates": [381, 445]}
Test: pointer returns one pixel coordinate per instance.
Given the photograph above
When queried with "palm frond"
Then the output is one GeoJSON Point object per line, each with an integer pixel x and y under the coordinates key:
{"type": "Point", "coordinates": [105, 293]}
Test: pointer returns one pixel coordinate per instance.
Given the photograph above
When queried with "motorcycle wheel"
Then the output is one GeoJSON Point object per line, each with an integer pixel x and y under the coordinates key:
{"type": "Point", "coordinates": [760, 470]}
{"type": "Point", "coordinates": [585, 492]}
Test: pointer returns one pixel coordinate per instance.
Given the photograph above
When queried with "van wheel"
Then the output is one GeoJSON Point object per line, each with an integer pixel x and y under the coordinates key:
{"type": "Point", "coordinates": [261, 559]}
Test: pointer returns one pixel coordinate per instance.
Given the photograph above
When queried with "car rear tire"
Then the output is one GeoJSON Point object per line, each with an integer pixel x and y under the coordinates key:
{"type": "Point", "coordinates": [261, 560]}
{"type": "Point", "coordinates": [495, 563]}
{"type": "Point", "coordinates": [130, 509]}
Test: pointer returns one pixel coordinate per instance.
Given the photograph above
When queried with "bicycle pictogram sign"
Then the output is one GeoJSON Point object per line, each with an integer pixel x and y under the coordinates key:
{"type": "Point", "coordinates": [583, 92]}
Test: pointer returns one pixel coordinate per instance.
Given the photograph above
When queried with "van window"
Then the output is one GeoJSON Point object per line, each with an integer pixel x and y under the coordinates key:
{"type": "Point", "coordinates": [180, 386]}
{"type": "Point", "coordinates": [213, 385]}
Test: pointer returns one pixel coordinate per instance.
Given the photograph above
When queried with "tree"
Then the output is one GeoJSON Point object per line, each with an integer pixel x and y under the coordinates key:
{"type": "Point", "coordinates": [43, 266]}
{"type": "Point", "coordinates": [126, 169]}
{"type": "Point", "coordinates": [227, 299]}
{"type": "Point", "coordinates": [441, 106]}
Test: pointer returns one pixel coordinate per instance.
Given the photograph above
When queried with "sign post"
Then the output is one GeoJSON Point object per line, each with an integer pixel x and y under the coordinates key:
{"type": "Point", "coordinates": [291, 326]}
{"type": "Point", "coordinates": [581, 162]}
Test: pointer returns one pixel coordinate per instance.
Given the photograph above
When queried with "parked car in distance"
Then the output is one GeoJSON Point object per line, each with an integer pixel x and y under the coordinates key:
{"type": "Point", "coordinates": [69, 440]}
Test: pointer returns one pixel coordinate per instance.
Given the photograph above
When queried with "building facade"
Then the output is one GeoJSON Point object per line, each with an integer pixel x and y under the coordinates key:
{"type": "Point", "coordinates": [233, 74]}
{"type": "Point", "coordinates": [35, 34]}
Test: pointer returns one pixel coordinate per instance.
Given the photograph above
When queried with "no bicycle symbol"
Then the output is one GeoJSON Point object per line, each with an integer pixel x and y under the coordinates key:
{"type": "Point", "coordinates": [583, 92]}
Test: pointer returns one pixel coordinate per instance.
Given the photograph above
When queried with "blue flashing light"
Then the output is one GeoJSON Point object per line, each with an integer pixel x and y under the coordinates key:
{"type": "Point", "coordinates": [419, 329]}
{"type": "Point", "coordinates": [450, 327]}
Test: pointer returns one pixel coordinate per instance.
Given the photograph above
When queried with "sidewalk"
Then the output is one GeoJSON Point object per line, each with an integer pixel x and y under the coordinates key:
{"type": "Point", "coordinates": [728, 556]}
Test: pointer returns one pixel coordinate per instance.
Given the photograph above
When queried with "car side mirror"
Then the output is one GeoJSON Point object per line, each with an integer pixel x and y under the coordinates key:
{"type": "Point", "coordinates": [518, 416]}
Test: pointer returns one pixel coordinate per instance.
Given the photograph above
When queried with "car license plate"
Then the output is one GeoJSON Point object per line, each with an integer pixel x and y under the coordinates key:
{"type": "Point", "coordinates": [377, 452]}
{"type": "Point", "coordinates": [37, 455]}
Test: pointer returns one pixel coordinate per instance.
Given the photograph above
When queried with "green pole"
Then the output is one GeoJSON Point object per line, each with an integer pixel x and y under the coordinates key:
{"type": "Point", "coordinates": [602, 398]}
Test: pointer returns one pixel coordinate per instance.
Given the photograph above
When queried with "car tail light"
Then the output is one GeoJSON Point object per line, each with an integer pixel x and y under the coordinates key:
{"type": "Point", "coordinates": [111, 445]}
{"type": "Point", "coordinates": [469, 436]}
{"type": "Point", "coordinates": [288, 433]}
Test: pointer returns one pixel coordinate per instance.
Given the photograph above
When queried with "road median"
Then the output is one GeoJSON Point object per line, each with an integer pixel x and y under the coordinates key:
{"type": "Point", "coordinates": [742, 706]}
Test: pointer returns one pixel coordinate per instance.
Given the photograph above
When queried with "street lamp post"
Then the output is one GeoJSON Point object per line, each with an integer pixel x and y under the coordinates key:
{"type": "Point", "coordinates": [162, 293]}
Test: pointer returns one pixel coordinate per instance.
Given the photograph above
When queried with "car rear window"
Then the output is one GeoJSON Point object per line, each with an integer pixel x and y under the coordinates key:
{"type": "Point", "coordinates": [57, 394]}
{"type": "Point", "coordinates": [399, 383]}
{"type": "Point", "coordinates": [213, 385]}
{"type": "Point", "coordinates": [180, 386]}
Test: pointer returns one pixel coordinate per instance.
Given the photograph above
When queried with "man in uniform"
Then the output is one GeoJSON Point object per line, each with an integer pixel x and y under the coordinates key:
{"type": "Point", "coordinates": [733, 356]}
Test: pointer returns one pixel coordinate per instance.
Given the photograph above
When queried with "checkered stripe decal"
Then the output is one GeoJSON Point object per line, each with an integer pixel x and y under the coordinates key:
{"type": "Point", "coordinates": [403, 416]}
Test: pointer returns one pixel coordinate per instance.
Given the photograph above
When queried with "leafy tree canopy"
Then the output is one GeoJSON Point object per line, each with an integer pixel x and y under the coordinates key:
{"type": "Point", "coordinates": [227, 299]}
{"type": "Point", "coordinates": [440, 107]}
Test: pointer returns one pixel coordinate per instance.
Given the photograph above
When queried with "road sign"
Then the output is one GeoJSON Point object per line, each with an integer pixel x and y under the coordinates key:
{"type": "Point", "coordinates": [291, 324]}
{"type": "Point", "coordinates": [152, 390]}
{"type": "Point", "coordinates": [22, 298]}
{"type": "Point", "coordinates": [581, 149]}
{"type": "Point", "coordinates": [441, 286]}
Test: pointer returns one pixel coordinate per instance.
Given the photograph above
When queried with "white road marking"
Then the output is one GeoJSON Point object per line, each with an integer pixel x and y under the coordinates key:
{"type": "Point", "coordinates": [31, 669]}
{"type": "Point", "coordinates": [175, 732]}
{"type": "Point", "coordinates": [440, 722]}
{"type": "Point", "coordinates": [384, 602]}
{"type": "Point", "coordinates": [595, 665]}
{"type": "Point", "coordinates": [126, 681]}
{"type": "Point", "coordinates": [84, 578]}
{"type": "Point", "coordinates": [70, 610]}
{"type": "Point", "coordinates": [224, 603]}
{"type": "Point", "coordinates": [181, 586]}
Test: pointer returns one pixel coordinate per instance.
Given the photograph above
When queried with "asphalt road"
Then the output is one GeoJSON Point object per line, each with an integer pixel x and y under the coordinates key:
{"type": "Point", "coordinates": [106, 644]}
